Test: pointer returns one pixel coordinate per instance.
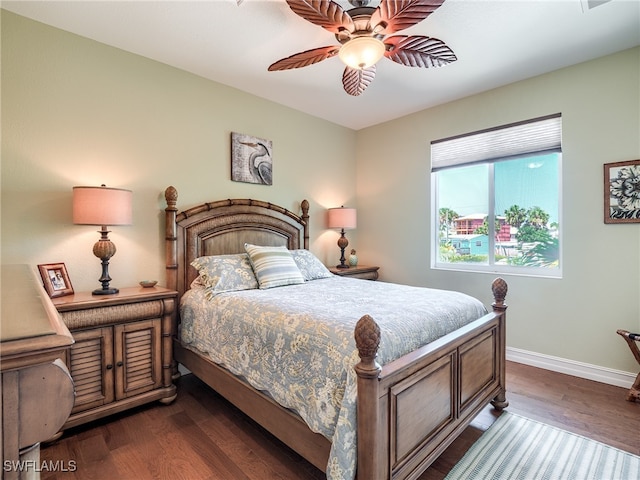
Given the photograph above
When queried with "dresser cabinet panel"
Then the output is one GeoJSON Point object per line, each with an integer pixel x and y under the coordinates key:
{"type": "Point", "coordinates": [138, 363]}
{"type": "Point", "coordinates": [91, 367]}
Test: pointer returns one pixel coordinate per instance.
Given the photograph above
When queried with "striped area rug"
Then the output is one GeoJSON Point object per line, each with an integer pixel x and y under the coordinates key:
{"type": "Point", "coordinates": [516, 447]}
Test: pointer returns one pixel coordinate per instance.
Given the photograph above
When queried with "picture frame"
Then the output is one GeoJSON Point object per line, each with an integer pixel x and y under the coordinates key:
{"type": "Point", "coordinates": [622, 192]}
{"type": "Point", "coordinates": [55, 279]}
{"type": "Point", "coordinates": [251, 159]}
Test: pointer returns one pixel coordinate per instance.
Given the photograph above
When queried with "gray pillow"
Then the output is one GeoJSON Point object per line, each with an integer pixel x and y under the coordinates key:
{"type": "Point", "coordinates": [310, 266]}
{"type": "Point", "coordinates": [225, 273]}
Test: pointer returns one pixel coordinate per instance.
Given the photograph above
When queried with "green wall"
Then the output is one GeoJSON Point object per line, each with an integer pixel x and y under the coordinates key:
{"type": "Point", "coordinates": [575, 317]}
{"type": "Point", "coordinates": [77, 112]}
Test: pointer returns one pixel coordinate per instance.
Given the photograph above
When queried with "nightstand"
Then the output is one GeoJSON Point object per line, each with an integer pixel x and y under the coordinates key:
{"type": "Point", "coordinates": [361, 271]}
{"type": "Point", "coordinates": [122, 355]}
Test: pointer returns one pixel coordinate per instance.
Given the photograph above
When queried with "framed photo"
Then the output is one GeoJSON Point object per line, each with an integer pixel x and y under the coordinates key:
{"type": "Point", "coordinates": [56, 279]}
{"type": "Point", "coordinates": [622, 192]}
{"type": "Point", "coordinates": [251, 160]}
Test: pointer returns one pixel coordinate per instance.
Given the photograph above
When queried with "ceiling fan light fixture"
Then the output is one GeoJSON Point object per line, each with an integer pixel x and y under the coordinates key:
{"type": "Point", "coordinates": [361, 52]}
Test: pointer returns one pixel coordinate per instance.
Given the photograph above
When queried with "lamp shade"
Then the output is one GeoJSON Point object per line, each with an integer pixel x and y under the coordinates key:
{"type": "Point", "coordinates": [342, 218]}
{"type": "Point", "coordinates": [361, 52]}
{"type": "Point", "coordinates": [102, 206]}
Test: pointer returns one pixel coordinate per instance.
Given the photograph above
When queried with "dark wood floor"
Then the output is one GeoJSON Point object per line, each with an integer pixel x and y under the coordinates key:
{"type": "Point", "coordinates": [201, 436]}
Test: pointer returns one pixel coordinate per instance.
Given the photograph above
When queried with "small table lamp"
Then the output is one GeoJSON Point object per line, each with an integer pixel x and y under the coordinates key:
{"type": "Point", "coordinates": [102, 206]}
{"type": "Point", "coordinates": [343, 219]}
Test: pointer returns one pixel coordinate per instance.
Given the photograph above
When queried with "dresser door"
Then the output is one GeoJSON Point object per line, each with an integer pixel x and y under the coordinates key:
{"type": "Point", "coordinates": [91, 366]}
{"type": "Point", "coordinates": [138, 366]}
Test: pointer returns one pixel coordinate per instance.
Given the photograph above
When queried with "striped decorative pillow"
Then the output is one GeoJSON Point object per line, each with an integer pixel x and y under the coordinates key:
{"type": "Point", "coordinates": [273, 266]}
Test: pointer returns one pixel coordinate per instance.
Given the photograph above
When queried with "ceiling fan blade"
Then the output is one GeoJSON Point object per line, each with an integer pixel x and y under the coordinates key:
{"type": "Point", "coordinates": [418, 51]}
{"type": "Point", "coordinates": [394, 15]}
{"type": "Point", "coordinates": [306, 58]}
{"type": "Point", "coordinates": [355, 81]}
{"type": "Point", "coordinates": [325, 13]}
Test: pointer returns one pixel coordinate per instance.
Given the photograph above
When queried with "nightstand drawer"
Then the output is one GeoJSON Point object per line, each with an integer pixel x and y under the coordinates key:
{"type": "Point", "coordinates": [95, 317]}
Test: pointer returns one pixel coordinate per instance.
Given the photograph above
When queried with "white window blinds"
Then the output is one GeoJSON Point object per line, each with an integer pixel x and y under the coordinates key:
{"type": "Point", "coordinates": [540, 135]}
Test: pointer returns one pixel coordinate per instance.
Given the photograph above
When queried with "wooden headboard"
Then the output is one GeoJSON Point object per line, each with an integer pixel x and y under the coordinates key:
{"type": "Point", "coordinates": [223, 227]}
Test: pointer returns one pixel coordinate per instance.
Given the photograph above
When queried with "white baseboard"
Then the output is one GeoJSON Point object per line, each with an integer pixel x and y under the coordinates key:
{"type": "Point", "coordinates": [571, 367]}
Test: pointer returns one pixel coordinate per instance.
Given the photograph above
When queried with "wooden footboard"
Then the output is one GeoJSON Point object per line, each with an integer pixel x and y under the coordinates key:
{"type": "Point", "coordinates": [411, 410]}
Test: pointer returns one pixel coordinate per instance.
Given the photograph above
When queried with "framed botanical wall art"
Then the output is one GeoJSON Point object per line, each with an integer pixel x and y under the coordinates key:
{"type": "Point", "coordinates": [55, 279]}
{"type": "Point", "coordinates": [622, 192]}
{"type": "Point", "coordinates": [251, 159]}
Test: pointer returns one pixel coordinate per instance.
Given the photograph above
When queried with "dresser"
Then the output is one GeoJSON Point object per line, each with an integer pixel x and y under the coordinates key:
{"type": "Point", "coordinates": [37, 390]}
{"type": "Point", "coordinates": [122, 356]}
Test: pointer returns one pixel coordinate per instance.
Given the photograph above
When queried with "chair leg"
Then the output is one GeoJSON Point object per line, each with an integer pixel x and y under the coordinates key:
{"type": "Point", "coordinates": [631, 339]}
{"type": "Point", "coordinates": [634, 391]}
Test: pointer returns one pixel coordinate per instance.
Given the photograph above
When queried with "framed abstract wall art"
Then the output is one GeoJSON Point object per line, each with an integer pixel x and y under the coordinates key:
{"type": "Point", "coordinates": [251, 160]}
{"type": "Point", "coordinates": [622, 192]}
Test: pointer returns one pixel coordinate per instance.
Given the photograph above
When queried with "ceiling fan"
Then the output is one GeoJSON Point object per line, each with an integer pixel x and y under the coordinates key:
{"type": "Point", "coordinates": [363, 32]}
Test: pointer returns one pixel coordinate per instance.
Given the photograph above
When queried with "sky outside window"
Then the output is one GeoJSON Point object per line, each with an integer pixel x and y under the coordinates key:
{"type": "Point", "coordinates": [526, 182]}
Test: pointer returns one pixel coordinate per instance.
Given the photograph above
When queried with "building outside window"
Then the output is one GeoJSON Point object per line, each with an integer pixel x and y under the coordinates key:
{"type": "Point", "coordinates": [496, 199]}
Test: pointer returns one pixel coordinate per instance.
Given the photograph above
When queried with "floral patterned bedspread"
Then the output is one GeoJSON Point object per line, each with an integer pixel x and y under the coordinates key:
{"type": "Point", "coordinates": [296, 342]}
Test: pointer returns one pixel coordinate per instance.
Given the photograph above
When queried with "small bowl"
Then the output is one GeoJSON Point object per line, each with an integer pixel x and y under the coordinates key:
{"type": "Point", "coordinates": [148, 283]}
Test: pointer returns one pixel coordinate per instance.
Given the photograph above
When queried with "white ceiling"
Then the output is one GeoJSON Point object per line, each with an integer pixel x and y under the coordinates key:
{"type": "Point", "coordinates": [496, 41]}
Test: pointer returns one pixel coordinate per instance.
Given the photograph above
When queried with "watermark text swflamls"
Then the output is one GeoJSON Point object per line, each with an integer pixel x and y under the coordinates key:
{"type": "Point", "coordinates": [37, 466]}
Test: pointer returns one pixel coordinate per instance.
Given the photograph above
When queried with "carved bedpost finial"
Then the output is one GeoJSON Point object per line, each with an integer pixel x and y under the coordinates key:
{"type": "Point", "coordinates": [304, 205]}
{"type": "Point", "coordinates": [305, 208]}
{"type": "Point", "coordinates": [499, 288]}
{"type": "Point", "coordinates": [171, 196]}
{"type": "Point", "coordinates": [367, 335]}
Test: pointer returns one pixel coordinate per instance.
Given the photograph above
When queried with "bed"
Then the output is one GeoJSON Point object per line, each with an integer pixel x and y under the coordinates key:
{"type": "Point", "coordinates": [407, 411]}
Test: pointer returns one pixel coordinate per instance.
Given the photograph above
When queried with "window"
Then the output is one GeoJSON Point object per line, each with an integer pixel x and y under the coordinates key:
{"type": "Point", "coordinates": [513, 172]}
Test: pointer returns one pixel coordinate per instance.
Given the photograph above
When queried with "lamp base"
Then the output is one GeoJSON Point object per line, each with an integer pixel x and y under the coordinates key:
{"type": "Point", "coordinates": [104, 249]}
{"type": "Point", "coordinates": [342, 244]}
{"type": "Point", "coordinates": [105, 291]}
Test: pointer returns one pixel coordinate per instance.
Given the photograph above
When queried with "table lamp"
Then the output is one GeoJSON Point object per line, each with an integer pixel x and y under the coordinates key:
{"type": "Point", "coordinates": [105, 207]}
{"type": "Point", "coordinates": [344, 219]}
